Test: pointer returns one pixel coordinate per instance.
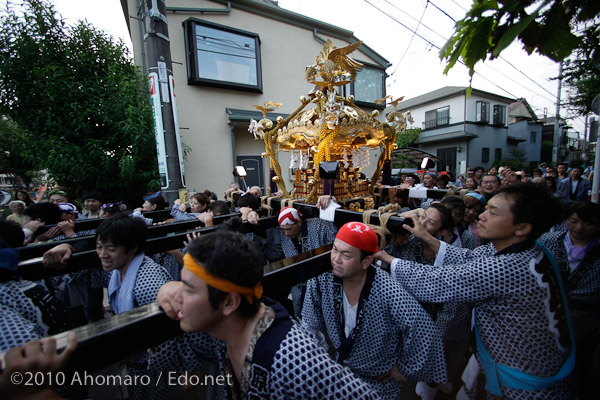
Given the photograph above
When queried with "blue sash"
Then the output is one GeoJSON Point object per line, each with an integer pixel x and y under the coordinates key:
{"type": "Point", "coordinates": [500, 374]}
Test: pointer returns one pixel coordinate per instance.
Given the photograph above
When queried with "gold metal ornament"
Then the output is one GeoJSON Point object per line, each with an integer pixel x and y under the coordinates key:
{"type": "Point", "coordinates": [329, 127]}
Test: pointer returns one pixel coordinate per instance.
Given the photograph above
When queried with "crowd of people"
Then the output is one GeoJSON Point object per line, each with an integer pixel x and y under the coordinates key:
{"type": "Point", "coordinates": [493, 291]}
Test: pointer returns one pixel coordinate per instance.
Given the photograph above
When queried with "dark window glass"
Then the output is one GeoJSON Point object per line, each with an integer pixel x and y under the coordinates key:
{"type": "Point", "coordinates": [485, 154]}
{"type": "Point", "coordinates": [482, 111]}
{"type": "Point", "coordinates": [223, 57]}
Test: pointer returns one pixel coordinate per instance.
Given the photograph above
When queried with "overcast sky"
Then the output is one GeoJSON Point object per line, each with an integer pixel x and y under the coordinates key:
{"type": "Point", "coordinates": [388, 27]}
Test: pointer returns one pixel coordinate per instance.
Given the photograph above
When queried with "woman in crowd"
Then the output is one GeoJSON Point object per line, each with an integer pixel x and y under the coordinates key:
{"type": "Point", "coordinates": [24, 196]}
{"type": "Point", "coordinates": [474, 205]}
{"type": "Point", "coordinates": [578, 256]}
{"type": "Point", "coordinates": [17, 207]}
{"type": "Point", "coordinates": [198, 204]}
{"type": "Point", "coordinates": [92, 201]}
{"type": "Point", "coordinates": [469, 184]}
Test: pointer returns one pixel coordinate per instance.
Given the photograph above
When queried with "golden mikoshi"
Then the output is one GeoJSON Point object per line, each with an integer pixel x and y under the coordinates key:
{"type": "Point", "coordinates": [329, 127]}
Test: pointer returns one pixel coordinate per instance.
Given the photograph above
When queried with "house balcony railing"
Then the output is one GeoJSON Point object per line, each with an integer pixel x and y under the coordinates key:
{"type": "Point", "coordinates": [432, 123]}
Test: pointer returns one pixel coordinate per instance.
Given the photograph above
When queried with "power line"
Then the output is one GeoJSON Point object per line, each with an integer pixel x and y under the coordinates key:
{"type": "Point", "coordinates": [502, 58]}
{"type": "Point", "coordinates": [436, 46]}
{"type": "Point", "coordinates": [454, 1]}
{"type": "Point", "coordinates": [522, 73]}
{"type": "Point", "coordinates": [414, 32]}
{"type": "Point", "coordinates": [410, 16]}
{"type": "Point", "coordinates": [409, 43]}
{"type": "Point", "coordinates": [444, 12]}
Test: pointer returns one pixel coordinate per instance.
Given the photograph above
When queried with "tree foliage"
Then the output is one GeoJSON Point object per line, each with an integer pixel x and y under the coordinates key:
{"type": "Point", "coordinates": [16, 158]}
{"type": "Point", "coordinates": [490, 26]}
{"type": "Point", "coordinates": [581, 73]}
{"type": "Point", "coordinates": [409, 137]}
{"type": "Point", "coordinates": [82, 99]}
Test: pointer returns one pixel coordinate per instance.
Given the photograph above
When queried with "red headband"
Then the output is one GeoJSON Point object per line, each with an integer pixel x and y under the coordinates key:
{"type": "Point", "coordinates": [360, 236]}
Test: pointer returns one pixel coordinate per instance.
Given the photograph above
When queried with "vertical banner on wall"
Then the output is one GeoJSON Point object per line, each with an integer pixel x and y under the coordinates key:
{"type": "Point", "coordinates": [158, 129]}
{"type": "Point", "coordinates": [176, 122]}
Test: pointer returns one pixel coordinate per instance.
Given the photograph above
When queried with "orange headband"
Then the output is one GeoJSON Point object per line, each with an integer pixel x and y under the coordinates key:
{"type": "Point", "coordinates": [220, 283]}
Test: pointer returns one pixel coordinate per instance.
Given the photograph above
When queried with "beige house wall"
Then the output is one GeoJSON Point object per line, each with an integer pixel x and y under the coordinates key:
{"type": "Point", "coordinates": [285, 51]}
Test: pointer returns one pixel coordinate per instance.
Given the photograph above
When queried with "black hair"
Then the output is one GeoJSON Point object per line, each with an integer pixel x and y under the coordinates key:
{"type": "Point", "coordinates": [249, 200]}
{"type": "Point", "coordinates": [531, 204]}
{"type": "Point", "coordinates": [28, 200]}
{"type": "Point", "coordinates": [211, 195]}
{"type": "Point", "coordinates": [455, 202]}
{"type": "Point", "coordinates": [579, 167]}
{"type": "Point", "coordinates": [365, 254]}
{"type": "Point", "coordinates": [110, 209]}
{"type": "Point", "coordinates": [219, 207]}
{"type": "Point", "coordinates": [12, 233]}
{"type": "Point", "coordinates": [93, 194]}
{"type": "Point", "coordinates": [446, 213]}
{"type": "Point", "coordinates": [201, 198]}
{"type": "Point", "coordinates": [123, 230]}
{"type": "Point", "coordinates": [159, 201]}
{"type": "Point", "coordinates": [414, 177]}
{"type": "Point", "coordinates": [231, 256]}
{"type": "Point", "coordinates": [477, 169]}
{"type": "Point", "coordinates": [586, 211]}
{"type": "Point", "coordinates": [48, 213]}
{"type": "Point", "coordinates": [552, 181]}
{"type": "Point", "coordinates": [444, 178]}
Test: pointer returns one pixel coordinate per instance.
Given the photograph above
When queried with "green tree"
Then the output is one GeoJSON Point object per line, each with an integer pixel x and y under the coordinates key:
{"type": "Point", "coordinates": [581, 73]}
{"type": "Point", "coordinates": [15, 156]}
{"type": "Point", "coordinates": [409, 137]}
{"type": "Point", "coordinates": [83, 100]}
{"type": "Point", "coordinates": [545, 26]}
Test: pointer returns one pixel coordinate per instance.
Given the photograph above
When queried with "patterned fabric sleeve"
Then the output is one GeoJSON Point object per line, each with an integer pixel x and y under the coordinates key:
{"type": "Point", "coordinates": [328, 231]}
{"type": "Point", "coordinates": [15, 329]}
{"type": "Point", "coordinates": [138, 214]}
{"type": "Point", "coordinates": [181, 215]}
{"type": "Point", "coordinates": [468, 240]}
{"type": "Point", "coordinates": [312, 316]}
{"type": "Point", "coordinates": [186, 353]}
{"type": "Point", "coordinates": [98, 278]}
{"type": "Point", "coordinates": [95, 277]}
{"type": "Point", "coordinates": [422, 357]}
{"type": "Point", "coordinates": [453, 281]}
{"type": "Point", "coordinates": [150, 278]}
{"type": "Point", "coordinates": [303, 370]}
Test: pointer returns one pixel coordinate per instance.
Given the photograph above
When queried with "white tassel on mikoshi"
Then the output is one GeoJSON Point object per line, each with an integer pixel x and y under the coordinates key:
{"type": "Point", "coordinates": [294, 159]}
{"type": "Point", "coordinates": [345, 158]}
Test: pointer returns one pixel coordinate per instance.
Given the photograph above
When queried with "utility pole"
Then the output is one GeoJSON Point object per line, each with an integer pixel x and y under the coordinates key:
{"type": "Point", "coordinates": [556, 141]}
{"type": "Point", "coordinates": [162, 92]}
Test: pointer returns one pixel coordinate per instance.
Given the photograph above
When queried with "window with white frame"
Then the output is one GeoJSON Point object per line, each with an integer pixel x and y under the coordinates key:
{"type": "Point", "coordinates": [482, 113]}
{"type": "Point", "coordinates": [221, 56]}
{"type": "Point", "coordinates": [438, 117]}
{"type": "Point", "coordinates": [368, 86]}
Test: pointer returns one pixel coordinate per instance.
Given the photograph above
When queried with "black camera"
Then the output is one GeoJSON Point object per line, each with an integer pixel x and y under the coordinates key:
{"type": "Point", "coordinates": [394, 225]}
